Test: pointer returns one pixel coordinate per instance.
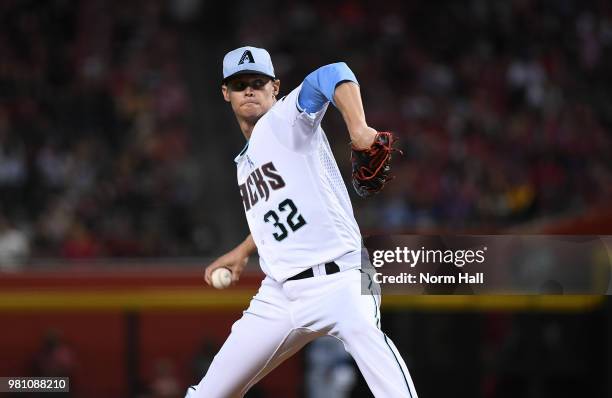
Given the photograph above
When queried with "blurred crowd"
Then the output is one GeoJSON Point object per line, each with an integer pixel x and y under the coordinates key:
{"type": "Point", "coordinates": [502, 108]}
{"type": "Point", "coordinates": [94, 157]}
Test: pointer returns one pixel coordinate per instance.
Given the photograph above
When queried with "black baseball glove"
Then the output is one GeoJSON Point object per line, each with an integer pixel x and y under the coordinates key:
{"type": "Point", "coordinates": [372, 166]}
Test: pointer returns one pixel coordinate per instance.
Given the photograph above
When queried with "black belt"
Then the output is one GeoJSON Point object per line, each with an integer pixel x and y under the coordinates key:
{"type": "Point", "coordinates": [330, 268]}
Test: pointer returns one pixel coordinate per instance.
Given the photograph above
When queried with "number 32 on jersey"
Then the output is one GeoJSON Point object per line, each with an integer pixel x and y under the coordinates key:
{"type": "Point", "coordinates": [289, 212]}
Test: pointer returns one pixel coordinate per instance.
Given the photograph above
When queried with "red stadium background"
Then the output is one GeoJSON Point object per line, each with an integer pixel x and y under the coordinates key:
{"type": "Point", "coordinates": [117, 184]}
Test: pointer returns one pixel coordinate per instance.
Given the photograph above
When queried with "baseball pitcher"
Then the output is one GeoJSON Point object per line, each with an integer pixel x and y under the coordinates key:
{"type": "Point", "coordinates": [302, 225]}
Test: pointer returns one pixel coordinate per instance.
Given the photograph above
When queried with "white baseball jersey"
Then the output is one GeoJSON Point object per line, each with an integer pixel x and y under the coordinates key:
{"type": "Point", "coordinates": [296, 203]}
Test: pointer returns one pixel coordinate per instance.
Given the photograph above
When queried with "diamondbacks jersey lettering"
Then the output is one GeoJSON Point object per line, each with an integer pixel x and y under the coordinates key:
{"type": "Point", "coordinates": [259, 184]}
{"type": "Point", "coordinates": [290, 184]}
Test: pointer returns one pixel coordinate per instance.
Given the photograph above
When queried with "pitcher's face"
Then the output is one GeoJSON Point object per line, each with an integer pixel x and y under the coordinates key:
{"type": "Point", "coordinates": [251, 96]}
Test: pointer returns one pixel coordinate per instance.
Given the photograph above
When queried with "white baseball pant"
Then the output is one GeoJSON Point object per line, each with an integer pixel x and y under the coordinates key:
{"type": "Point", "coordinates": [283, 317]}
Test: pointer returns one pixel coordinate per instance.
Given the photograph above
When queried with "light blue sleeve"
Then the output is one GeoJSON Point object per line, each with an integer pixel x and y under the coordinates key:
{"type": "Point", "coordinates": [318, 88]}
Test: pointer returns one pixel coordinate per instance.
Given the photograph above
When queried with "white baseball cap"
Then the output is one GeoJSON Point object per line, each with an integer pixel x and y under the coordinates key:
{"type": "Point", "coordinates": [247, 60]}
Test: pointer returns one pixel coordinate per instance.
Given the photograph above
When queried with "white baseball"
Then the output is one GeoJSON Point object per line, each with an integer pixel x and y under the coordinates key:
{"type": "Point", "coordinates": [221, 278]}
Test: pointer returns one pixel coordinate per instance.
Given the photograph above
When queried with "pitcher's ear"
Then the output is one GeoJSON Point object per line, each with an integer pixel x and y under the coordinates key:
{"type": "Point", "coordinates": [225, 93]}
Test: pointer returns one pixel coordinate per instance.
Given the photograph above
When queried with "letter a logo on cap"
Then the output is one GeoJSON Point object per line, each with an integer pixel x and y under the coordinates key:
{"type": "Point", "coordinates": [246, 60]}
{"type": "Point", "coordinates": [246, 56]}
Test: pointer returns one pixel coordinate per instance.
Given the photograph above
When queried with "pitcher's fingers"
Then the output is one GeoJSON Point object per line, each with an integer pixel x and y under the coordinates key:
{"type": "Point", "coordinates": [235, 275]}
{"type": "Point", "coordinates": [208, 274]}
{"type": "Point", "coordinates": [206, 277]}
